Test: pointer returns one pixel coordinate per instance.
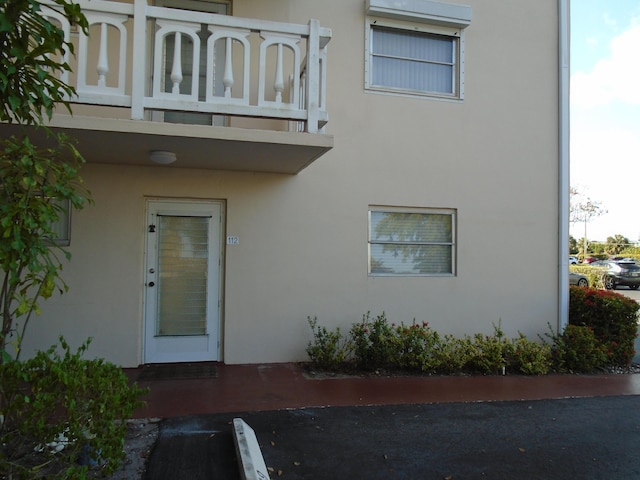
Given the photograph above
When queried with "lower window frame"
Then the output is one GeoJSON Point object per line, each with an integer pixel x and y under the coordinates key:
{"type": "Point", "coordinates": [453, 244]}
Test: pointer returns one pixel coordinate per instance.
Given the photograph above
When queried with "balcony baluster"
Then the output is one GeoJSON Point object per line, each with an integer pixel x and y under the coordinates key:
{"type": "Point", "coordinates": [227, 79]}
{"type": "Point", "coordinates": [278, 84]}
{"type": "Point", "coordinates": [143, 91]}
{"type": "Point", "coordinates": [103, 60]}
{"type": "Point", "coordinates": [176, 68]}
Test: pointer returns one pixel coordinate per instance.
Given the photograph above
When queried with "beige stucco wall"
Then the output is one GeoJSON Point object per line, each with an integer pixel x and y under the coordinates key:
{"type": "Point", "coordinates": [303, 239]}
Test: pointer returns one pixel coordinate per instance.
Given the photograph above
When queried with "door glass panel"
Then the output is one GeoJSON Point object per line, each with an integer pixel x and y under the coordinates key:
{"type": "Point", "coordinates": [182, 275]}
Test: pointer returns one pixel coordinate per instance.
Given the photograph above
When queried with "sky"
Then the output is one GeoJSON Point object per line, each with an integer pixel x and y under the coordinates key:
{"type": "Point", "coordinates": [605, 114]}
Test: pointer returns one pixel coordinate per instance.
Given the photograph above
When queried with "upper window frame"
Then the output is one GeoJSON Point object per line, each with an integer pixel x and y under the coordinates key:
{"type": "Point", "coordinates": [430, 18]}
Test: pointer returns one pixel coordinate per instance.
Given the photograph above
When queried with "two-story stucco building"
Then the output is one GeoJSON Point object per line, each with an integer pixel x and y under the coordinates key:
{"type": "Point", "coordinates": [254, 163]}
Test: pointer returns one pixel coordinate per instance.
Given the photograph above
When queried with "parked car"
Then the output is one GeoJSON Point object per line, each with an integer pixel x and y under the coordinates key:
{"type": "Point", "coordinates": [573, 260]}
{"type": "Point", "coordinates": [619, 273]}
{"type": "Point", "coordinates": [626, 260]}
{"type": "Point", "coordinates": [578, 279]}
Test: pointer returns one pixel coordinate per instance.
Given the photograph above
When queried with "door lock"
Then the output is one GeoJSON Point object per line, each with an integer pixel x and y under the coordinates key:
{"type": "Point", "coordinates": [151, 284]}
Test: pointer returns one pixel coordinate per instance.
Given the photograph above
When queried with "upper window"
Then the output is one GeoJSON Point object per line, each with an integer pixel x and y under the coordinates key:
{"type": "Point", "coordinates": [407, 242]}
{"type": "Point", "coordinates": [413, 61]}
{"type": "Point", "coordinates": [418, 51]}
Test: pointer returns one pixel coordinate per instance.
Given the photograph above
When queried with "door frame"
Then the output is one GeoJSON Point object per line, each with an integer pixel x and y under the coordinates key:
{"type": "Point", "coordinates": [181, 205]}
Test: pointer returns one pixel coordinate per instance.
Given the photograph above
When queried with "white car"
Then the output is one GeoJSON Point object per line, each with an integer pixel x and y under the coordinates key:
{"type": "Point", "coordinates": [578, 279]}
{"type": "Point", "coordinates": [573, 260]}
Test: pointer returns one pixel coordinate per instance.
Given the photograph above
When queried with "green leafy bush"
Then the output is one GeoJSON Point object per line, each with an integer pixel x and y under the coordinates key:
{"type": "Point", "coordinates": [451, 354]}
{"type": "Point", "coordinates": [373, 342]}
{"type": "Point", "coordinates": [414, 346]}
{"type": "Point", "coordinates": [577, 350]}
{"type": "Point", "coordinates": [490, 352]}
{"type": "Point", "coordinates": [601, 333]}
{"type": "Point", "coordinates": [59, 408]}
{"type": "Point", "coordinates": [530, 358]}
{"type": "Point", "coordinates": [594, 274]}
{"type": "Point", "coordinates": [612, 317]}
{"type": "Point", "coordinates": [328, 350]}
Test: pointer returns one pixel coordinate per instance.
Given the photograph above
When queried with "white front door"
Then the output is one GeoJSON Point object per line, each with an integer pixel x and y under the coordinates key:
{"type": "Point", "coordinates": [182, 278]}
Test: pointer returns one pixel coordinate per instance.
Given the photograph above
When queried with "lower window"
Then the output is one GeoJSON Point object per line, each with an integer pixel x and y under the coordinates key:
{"type": "Point", "coordinates": [405, 241]}
{"type": "Point", "coordinates": [60, 229]}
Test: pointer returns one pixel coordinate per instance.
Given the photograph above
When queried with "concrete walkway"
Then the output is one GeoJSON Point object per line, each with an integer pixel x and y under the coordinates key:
{"type": "Point", "coordinates": [250, 388]}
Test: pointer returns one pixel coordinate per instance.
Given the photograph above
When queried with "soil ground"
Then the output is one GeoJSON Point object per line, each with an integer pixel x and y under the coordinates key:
{"type": "Point", "coordinates": [139, 441]}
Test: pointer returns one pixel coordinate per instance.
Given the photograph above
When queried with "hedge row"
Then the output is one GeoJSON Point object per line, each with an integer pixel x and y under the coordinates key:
{"type": "Point", "coordinates": [601, 333]}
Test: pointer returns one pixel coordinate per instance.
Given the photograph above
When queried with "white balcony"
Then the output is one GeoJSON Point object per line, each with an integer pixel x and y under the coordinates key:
{"type": "Point", "coordinates": [221, 92]}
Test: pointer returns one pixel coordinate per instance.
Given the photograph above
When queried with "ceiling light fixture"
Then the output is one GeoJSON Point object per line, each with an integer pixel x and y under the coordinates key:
{"type": "Point", "coordinates": [162, 157]}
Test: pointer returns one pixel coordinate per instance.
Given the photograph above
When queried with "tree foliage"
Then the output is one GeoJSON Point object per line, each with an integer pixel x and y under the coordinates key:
{"type": "Point", "coordinates": [573, 245]}
{"type": "Point", "coordinates": [616, 244]}
{"type": "Point", "coordinates": [60, 414]}
{"type": "Point", "coordinates": [32, 52]}
{"type": "Point", "coordinates": [582, 208]}
{"type": "Point", "coordinates": [33, 179]}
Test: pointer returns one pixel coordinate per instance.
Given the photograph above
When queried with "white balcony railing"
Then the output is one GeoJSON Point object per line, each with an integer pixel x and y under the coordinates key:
{"type": "Point", "coordinates": [153, 60]}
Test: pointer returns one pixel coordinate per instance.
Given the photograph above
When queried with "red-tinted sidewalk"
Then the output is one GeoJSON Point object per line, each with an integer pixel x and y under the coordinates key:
{"type": "Point", "coordinates": [242, 388]}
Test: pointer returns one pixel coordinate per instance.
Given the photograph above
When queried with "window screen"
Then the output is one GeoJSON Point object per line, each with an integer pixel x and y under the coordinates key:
{"type": "Point", "coordinates": [411, 243]}
{"type": "Point", "coordinates": [414, 61]}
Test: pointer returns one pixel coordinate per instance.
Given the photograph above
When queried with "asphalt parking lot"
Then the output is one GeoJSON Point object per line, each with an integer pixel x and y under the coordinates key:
{"type": "Point", "coordinates": [581, 438]}
{"type": "Point", "coordinates": [586, 438]}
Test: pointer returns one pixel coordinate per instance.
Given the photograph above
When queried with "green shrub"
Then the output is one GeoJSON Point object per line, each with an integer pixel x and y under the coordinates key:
{"type": "Point", "coordinates": [613, 318]}
{"type": "Point", "coordinates": [594, 274]}
{"type": "Point", "coordinates": [373, 342]}
{"type": "Point", "coordinates": [489, 352]}
{"type": "Point", "coordinates": [413, 347]}
{"type": "Point", "coordinates": [451, 354]}
{"type": "Point", "coordinates": [530, 358]}
{"type": "Point", "coordinates": [577, 350]}
{"type": "Point", "coordinates": [601, 333]}
{"type": "Point", "coordinates": [63, 402]}
{"type": "Point", "coordinates": [329, 350]}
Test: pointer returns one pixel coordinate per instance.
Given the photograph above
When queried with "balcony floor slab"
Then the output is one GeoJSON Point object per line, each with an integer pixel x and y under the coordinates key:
{"type": "Point", "coordinates": [129, 142]}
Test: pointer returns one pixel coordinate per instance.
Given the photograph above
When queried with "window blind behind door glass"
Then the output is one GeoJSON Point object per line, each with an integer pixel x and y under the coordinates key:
{"type": "Point", "coordinates": [183, 252]}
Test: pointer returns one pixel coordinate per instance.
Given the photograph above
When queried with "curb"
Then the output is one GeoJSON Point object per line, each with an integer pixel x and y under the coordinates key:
{"type": "Point", "coordinates": [250, 460]}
